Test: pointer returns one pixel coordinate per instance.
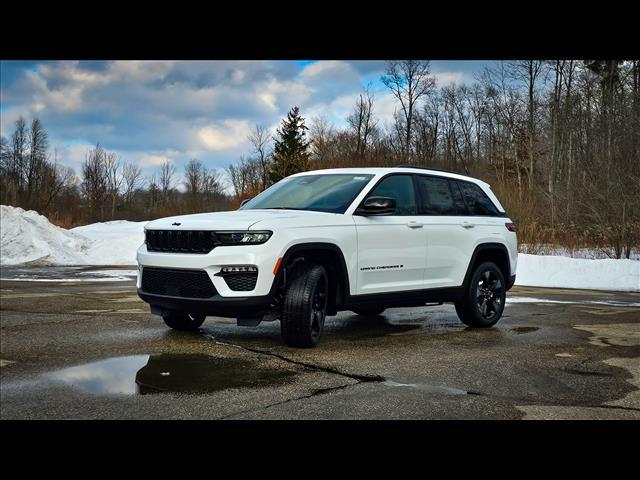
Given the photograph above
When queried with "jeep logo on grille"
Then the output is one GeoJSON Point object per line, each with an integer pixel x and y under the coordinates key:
{"type": "Point", "coordinates": [176, 224]}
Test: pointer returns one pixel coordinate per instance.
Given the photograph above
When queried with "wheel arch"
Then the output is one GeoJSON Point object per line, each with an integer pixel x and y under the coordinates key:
{"type": "Point", "coordinates": [327, 254]}
{"type": "Point", "coordinates": [494, 252]}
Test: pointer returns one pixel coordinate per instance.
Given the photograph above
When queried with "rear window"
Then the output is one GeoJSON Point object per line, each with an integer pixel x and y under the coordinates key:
{"type": "Point", "coordinates": [436, 197]}
{"type": "Point", "coordinates": [477, 201]}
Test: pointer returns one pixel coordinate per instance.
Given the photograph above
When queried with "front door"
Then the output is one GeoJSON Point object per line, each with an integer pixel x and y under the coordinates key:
{"type": "Point", "coordinates": [392, 249]}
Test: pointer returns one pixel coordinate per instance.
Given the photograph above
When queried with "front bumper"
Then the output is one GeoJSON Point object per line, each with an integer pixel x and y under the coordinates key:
{"type": "Point", "coordinates": [264, 257]}
{"type": "Point", "coordinates": [219, 306]}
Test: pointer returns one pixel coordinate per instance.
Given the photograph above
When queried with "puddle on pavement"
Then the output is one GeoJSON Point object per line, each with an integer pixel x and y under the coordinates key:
{"type": "Point", "coordinates": [437, 389]}
{"type": "Point", "coordinates": [521, 330]}
{"type": "Point", "coordinates": [168, 373]}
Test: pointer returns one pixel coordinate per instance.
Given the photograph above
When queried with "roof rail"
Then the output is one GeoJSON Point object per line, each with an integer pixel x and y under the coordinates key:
{"type": "Point", "coordinates": [422, 167]}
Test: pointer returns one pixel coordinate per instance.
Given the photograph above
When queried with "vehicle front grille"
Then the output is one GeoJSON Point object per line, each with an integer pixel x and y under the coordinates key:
{"type": "Point", "coordinates": [181, 241]}
{"type": "Point", "coordinates": [241, 282]}
{"type": "Point", "coordinates": [177, 283]}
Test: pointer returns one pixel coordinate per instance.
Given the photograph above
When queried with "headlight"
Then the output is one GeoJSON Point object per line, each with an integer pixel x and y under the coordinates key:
{"type": "Point", "coordinates": [243, 238]}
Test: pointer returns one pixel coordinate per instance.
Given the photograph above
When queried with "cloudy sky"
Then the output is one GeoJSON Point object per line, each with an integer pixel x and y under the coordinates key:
{"type": "Point", "coordinates": [148, 111]}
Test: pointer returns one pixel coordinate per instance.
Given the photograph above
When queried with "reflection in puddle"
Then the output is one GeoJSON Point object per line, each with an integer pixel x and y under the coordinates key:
{"type": "Point", "coordinates": [168, 373]}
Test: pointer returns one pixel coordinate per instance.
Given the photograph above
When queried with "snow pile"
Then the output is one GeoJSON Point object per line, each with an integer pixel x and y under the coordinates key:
{"type": "Point", "coordinates": [113, 243]}
{"type": "Point", "coordinates": [563, 272]}
{"type": "Point", "coordinates": [28, 238]}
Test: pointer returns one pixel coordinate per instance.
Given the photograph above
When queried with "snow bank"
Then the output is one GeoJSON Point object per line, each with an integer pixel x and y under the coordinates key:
{"type": "Point", "coordinates": [113, 243]}
{"type": "Point", "coordinates": [563, 272]}
{"type": "Point", "coordinates": [28, 238]}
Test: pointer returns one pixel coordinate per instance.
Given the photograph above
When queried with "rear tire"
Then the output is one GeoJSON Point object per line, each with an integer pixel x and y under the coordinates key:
{"type": "Point", "coordinates": [369, 311]}
{"type": "Point", "coordinates": [184, 321]}
{"type": "Point", "coordinates": [483, 302]}
{"type": "Point", "coordinates": [304, 307]}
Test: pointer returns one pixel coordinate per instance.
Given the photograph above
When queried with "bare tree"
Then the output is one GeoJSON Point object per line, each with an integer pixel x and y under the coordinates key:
{"type": "Point", "coordinates": [322, 133]}
{"type": "Point", "coordinates": [94, 183]}
{"type": "Point", "coordinates": [362, 122]}
{"type": "Point", "coordinates": [409, 81]}
{"type": "Point", "coordinates": [132, 180]}
{"type": "Point", "coordinates": [245, 178]}
{"type": "Point", "coordinates": [167, 172]}
{"type": "Point", "coordinates": [114, 179]}
{"type": "Point", "coordinates": [260, 139]}
{"type": "Point", "coordinates": [19, 154]}
{"type": "Point", "coordinates": [529, 73]}
{"type": "Point", "coordinates": [36, 159]}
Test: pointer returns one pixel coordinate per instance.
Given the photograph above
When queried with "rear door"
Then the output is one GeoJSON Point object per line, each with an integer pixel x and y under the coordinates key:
{"type": "Point", "coordinates": [484, 221]}
{"type": "Point", "coordinates": [392, 248]}
{"type": "Point", "coordinates": [450, 241]}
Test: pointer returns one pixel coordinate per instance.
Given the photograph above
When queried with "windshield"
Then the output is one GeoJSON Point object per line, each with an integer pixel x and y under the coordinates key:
{"type": "Point", "coordinates": [323, 193]}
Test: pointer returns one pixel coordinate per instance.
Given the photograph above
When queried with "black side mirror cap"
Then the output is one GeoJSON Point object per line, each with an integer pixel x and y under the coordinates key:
{"type": "Point", "coordinates": [244, 201]}
{"type": "Point", "coordinates": [376, 206]}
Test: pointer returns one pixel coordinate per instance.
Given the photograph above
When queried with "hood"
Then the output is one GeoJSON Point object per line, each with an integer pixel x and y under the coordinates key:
{"type": "Point", "coordinates": [234, 220]}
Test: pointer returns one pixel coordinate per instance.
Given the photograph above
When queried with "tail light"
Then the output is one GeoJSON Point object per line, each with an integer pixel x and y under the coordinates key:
{"type": "Point", "coordinates": [510, 226]}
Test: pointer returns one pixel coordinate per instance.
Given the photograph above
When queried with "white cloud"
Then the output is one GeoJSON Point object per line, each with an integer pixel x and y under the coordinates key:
{"type": "Point", "coordinates": [327, 70]}
{"type": "Point", "coordinates": [225, 135]}
{"type": "Point", "coordinates": [74, 155]}
{"type": "Point", "coordinates": [273, 92]}
{"type": "Point", "coordinates": [386, 104]}
{"type": "Point", "coordinates": [447, 78]}
{"type": "Point", "coordinates": [153, 160]}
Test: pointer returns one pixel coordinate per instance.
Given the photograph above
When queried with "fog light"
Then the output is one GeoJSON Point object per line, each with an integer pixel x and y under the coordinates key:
{"type": "Point", "coordinates": [239, 269]}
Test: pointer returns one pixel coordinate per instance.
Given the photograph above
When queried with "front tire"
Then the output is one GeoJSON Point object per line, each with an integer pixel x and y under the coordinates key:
{"type": "Point", "coordinates": [304, 307]}
{"type": "Point", "coordinates": [485, 297]}
{"type": "Point", "coordinates": [184, 321]}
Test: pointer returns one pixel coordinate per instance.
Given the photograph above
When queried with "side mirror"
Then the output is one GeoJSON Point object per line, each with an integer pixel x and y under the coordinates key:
{"type": "Point", "coordinates": [244, 201]}
{"type": "Point", "coordinates": [376, 206]}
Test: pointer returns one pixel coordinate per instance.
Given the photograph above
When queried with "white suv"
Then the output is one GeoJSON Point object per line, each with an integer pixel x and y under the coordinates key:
{"type": "Point", "coordinates": [315, 243]}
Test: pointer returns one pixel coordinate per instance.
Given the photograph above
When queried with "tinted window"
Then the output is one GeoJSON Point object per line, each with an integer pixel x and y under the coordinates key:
{"type": "Point", "coordinates": [400, 188]}
{"type": "Point", "coordinates": [457, 198]}
{"type": "Point", "coordinates": [477, 201]}
{"type": "Point", "coordinates": [436, 197]}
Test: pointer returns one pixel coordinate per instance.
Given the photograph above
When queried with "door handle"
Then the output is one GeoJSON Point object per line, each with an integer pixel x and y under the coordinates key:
{"type": "Point", "coordinates": [466, 224]}
{"type": "Point", "coordinates": [414, 224]}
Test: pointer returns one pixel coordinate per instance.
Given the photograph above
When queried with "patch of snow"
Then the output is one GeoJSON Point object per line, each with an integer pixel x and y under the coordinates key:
{"type": "Point", "coordinates": [562, 272]}
{"type": "Point", "coordinates": [511, 299]}
{"type": "Point", "coordinates": [588, 253]}
{"type": "Point", "coordinates": [28, 238]}
{"type": "Point", "coordinates": [113, 243]}
{"type": "Point", "coordinates": [613, 303]}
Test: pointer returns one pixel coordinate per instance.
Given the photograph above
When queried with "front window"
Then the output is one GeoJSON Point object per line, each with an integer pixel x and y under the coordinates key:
{"type": "Point", "coordinates": [331, 193]}
{"type": "Point", "coordinates": [400, 188]}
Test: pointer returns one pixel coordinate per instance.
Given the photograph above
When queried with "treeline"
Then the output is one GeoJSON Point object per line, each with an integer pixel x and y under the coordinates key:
{"type": "Point", "coordinates": [559, 141]}
{"type": "Point", "coordinates": [108, 188]}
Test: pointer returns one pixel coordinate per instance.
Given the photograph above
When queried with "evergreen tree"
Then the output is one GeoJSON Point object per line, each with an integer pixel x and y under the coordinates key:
{"type": "Point", "coordinates": [291, 150]}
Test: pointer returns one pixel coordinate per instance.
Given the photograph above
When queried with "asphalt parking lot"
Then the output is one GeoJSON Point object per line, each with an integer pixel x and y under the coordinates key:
{"type": "Point", "coordinates": [90, 350]}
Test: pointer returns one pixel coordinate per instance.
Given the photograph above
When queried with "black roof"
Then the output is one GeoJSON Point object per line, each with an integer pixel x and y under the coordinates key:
{"type": "Point", "coordinates": [422, 167]}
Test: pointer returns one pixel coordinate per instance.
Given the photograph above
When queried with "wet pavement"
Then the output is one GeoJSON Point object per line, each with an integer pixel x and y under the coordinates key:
{"type": "Point", "coordinates": [89, 349]}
